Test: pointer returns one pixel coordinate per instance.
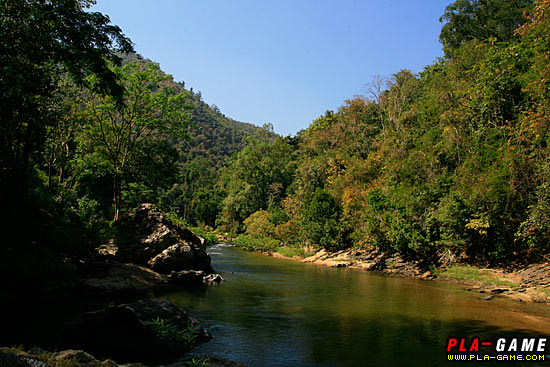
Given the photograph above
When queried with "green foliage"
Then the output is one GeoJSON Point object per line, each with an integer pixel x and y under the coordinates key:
{"type": "Point", "coordinates": [198, 362]}
{"type": "Point", "coordinates": [70, 41]}
{"type": "Point", "coordinates": [535, 230]}
{"type": "Point", "coordinates": [150, 107]}
{"type": "Point", "coordinates": [210, 237]}
{"type": "Point", "coordinates": [321, 220]}
{"type": "Point", "coordinates": [258, 224]}
{"type": "Point", "coordinates": [178, 339]}
{"type": "Point", "coordinates": [257, 178]}
{"type": "Point", "coordinates": [450, 161]}
{"type": "Point", "coordinates": [250, 243]}
{"type": "Point", "coordinates": [480, 20]}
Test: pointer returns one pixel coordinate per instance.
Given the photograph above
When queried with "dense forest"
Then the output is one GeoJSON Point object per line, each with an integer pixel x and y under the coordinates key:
{"type": "Point", "coordinates": [450, 162]}
{"type": "Point", "coordinates": [90, 130]}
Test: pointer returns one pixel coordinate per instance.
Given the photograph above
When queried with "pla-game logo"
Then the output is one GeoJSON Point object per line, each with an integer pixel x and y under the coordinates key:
{"type": "Point", "coordinates": [528, 349]}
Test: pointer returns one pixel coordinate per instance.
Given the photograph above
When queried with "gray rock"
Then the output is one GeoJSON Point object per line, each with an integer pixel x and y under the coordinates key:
{"type": "Point", "coordinates": [188, 277]}
{"type": "Point", "coordinates": [194, 277]}
{"type": "Point", "coordinates": [499, 290]}
{"type": "Point", "coordinates": [213, 278]}
{"type": "Point", "coordinates": [150, 238]}
{"type": "Point", "coordinates": [176, 257]}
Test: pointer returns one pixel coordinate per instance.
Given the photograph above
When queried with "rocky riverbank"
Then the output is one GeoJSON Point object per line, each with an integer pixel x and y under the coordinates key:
{"type": "Point", "coordinates": [151, 254]}
{"type": "Point", "coordinates": [526, 284]}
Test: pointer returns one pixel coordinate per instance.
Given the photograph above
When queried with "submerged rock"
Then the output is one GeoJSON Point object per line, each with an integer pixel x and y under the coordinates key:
{"type": "Point", "coordinates": [194, 277]}
{"type": "Point", "coordinates": [487, 298]}
{"type": "Point", "coordinates": [149, 330]}
{"type": "Point", "coordinates": [188, 276]}
{"type": "Point", "coordinates": [213, 278]}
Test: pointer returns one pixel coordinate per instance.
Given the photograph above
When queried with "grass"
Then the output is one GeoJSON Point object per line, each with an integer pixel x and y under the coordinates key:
{"type": "Point", "coordinates": [179, 338]}
{"type": "Point", "coordinates": [472, 274]}
{"type": "Point", "coordinates": [198, 362]}
{"type": "Point", "coordinates": [292, 251]}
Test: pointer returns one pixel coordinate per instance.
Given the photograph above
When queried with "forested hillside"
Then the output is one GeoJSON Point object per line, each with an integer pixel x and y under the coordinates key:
{"type": "Point", "coordinates": [452, 162]}
{"type": "Point", "coordinates": [90, 130]}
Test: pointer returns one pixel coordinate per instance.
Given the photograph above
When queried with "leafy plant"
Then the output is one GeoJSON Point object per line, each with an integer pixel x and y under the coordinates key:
{"type": "Point", "coordinates": [173, 335]}
{"type": "Point", "coordinates": [198, 362]}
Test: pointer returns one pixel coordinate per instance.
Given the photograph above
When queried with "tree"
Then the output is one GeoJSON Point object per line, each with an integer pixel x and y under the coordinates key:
{"type": "Point", "coordinates": [39, 42]}
{"type": "Point", "coordinates": [151, 106]}
{"type": "Point", "coordinates": [467, 20]}
{"type": "Point", "coordinates": [258, 177]}
{"type": "Point", "coordinates": [320, 220]}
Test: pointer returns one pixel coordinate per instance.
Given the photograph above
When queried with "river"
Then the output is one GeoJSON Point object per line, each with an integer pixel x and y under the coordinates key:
{"type": "Point", "coordinates": [279, 312]}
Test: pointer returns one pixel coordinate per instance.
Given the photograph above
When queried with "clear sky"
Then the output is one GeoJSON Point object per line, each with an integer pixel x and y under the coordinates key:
{"type": "Point", "coordinates": [280, 61]}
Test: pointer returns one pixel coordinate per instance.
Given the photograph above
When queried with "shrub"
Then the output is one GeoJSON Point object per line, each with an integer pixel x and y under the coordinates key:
{"type": "Point", "coordinates": [321, 220]}
{"type": "Point", "coordinates": [251, 243]}
{"type": "Point", "coordinates": [258, 225]}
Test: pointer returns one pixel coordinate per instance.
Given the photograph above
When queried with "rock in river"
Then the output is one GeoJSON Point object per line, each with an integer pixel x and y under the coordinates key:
{"type": "Point", "coordinates": [148, 330]}
{"type": "Point", "coordinates": [194, 277]}
{"type": "Point", "coordinates": [150, 238]}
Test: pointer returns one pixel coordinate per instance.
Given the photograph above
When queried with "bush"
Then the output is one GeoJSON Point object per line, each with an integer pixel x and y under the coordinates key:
{"type": "Point", "coordinates": [251, 243]}
{"type": "Point", "coordinates": [210, 238]}
{"type": "Point", "coordinates": [258, 225]}
{"type": "Point", "coordinates": [288, 232]}
{"type": "Point", "coordinates": [321, 220]}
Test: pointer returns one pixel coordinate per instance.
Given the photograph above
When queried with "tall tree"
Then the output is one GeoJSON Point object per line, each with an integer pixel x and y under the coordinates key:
{"type": "Point", "coordinates": [258, 177]}
{"type": "Point", "coordinates": [480, 20]}
{"type": "Point", "coordinates": [151, 106]}
{"type": "Point", "coordinates": [40, 41]}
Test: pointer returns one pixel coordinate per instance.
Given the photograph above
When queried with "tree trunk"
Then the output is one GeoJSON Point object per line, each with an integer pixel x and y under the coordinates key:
{"type": "Point", "coordinates": [117, 198]}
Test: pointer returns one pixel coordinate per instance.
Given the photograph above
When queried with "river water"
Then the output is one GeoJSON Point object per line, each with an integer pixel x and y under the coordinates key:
{"type": "Point", "coordinates": [279, 312]}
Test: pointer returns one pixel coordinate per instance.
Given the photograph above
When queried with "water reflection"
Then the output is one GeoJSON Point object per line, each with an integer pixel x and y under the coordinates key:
{"type": "Point", "coordinates": [275, 312]}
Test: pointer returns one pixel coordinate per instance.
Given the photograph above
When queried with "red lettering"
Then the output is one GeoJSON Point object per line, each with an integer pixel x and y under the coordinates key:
{"type": "Point", "coordinates": [451, 343]}
{"type": "Point", "coordinates": [461, 347]}
{"type": "Point", "coordinates": [475, 345]}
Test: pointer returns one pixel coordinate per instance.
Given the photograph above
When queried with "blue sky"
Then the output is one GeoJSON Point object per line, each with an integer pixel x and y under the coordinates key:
{"type": "Point", "coordinates": [280, 61]}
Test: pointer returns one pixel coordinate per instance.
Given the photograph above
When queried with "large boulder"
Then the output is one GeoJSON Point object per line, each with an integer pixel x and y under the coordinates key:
{"type": "Point", "coordinates": [150, 238]}
{"type": "Point", "coordinates": [126, 280]}
{"type": "Point", "coordinates": [174, 258]}
{"type": "Point", "coordinates": [148, 331]}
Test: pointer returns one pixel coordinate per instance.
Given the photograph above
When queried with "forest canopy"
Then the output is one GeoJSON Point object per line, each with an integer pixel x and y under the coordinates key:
{"type": "Point", "coordinates": [451, 161]}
